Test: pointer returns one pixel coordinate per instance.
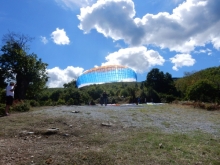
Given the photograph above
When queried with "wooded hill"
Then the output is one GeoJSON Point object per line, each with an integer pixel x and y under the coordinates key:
{"type": "Point", "coordinates": [201, 86]}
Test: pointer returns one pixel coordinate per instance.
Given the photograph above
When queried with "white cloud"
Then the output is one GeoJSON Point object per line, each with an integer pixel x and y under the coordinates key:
{"type": "Point", "coordinates": [58, 77]}
{"type": "Point", "coordinates": [72, 4]}
{"type": "Point", "coordinates": [138, 58]}
{"type": "Point", "coordinates": [44, 39]}
{"type": "Point", "coordinates": [181, 60]}
{"type": "Point", "coordinates": [59, 37]}
{"type": "Point", "coordinates": [206, 51]}
{"type": "Point", "coordinates": [193, 23]}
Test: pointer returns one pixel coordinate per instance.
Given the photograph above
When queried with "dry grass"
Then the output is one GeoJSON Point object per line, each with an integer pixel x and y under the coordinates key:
{"type": "Point", "coordinates": [24, 139]}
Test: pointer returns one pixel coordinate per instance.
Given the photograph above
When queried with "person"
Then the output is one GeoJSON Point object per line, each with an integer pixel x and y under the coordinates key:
{"type": "Point", "coordinates": [9, 97]}
{"type": "Point", "coordinates": [105, 98]}
{"type": "Point", "coordinates": [101, 100]}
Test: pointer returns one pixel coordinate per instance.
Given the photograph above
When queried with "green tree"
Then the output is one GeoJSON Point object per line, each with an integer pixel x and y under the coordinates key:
{"type": "Point", "coordinates": [202, 90]}
{"type": "Point", "coordinates": [27, 70]}
{"type": "Point", "coordinates": [152, 96]}
{"type": "Point", "coordinates": [56, 95]}
{"type": "Point", "coordinates": [155, 80]}
{"type": "Point", "coordinates": [70, 84]}
{"type": "Point", "coordinates": [160, 82]}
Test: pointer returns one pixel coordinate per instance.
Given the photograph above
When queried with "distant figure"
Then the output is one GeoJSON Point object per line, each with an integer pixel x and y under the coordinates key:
{"type": "Point", "coordinates": [92, 102]}
{"type": "Point", "coordinates": [139, 100]}
{"type": "Point", "coordinates": [105, 98]}
{"type": "Point", "coordinates": [152, 100]}
{"type": "Point", "coordinates": [101, 100]}
{"type": "Point", "coordinates": [9, 97]}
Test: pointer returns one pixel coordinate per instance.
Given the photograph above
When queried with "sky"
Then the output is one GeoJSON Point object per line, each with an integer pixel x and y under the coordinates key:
{"type": "Point", "coordinates": [72, 36]}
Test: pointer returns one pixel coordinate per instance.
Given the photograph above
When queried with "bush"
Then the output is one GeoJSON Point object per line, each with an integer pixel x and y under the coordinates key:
{"type": "Point", "coordinates": [2, 109]}
{"type": "Point", "coordinates": [212, 107]}
{"type": "Point", "coordinates": [34, 103]}
{"type": "Point", "coordinates": [70, 102]}
{"type": "Point", "coordinates": [21, 107]}
{"type": "Point", "coordinates": [202, 90]}
{"type": "Point", "coordinates": [60, 102]}
{"type": "Point", "coordinates": [167, 98]}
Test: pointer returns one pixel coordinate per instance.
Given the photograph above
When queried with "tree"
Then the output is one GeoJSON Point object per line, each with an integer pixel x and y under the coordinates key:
{"type": "Point", "coordinates": [202, 90]}
{"type": "Point", "coordinates": [160, 82]}
{"type": "Point", "coordinates": [70, 84]}
{"type": "Point", "coordinates": [26, 69]}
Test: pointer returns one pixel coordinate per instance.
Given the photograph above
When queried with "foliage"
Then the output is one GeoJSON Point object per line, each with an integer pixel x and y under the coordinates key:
{"type": "Point", "coordinates": [211, 74]}
{"type": "Point", "coordinates": [2, 109]}
{"type": "Point", "coordinates": [152, 96]}
{"type": "Point", "coordinates": [70, 101]}
{"type": "Point", "coordinates": [202, 90]}
{"type": "Point", "coordinates": [61, 102]}
{"type": "Point", "coordinates": [71, 84]}
{"type": "Point", "coordinates": [16, 64]}
{"type": "Point", "coordinates": [56, 95]}
{"type": "Point", "coordinates": [165, 98]}
{"type": "Point", "coordinates": [34, 103]}
{"type": "Point", "coordinates": [2, 95]}
{"type": "Point", "coordinates": [160, 82]}
{"type": "Point", "coordinates": [21, 107]}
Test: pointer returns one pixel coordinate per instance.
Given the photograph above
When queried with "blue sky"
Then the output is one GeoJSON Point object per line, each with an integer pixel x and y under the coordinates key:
{"type": "Point", "coordinates": [72, 36]}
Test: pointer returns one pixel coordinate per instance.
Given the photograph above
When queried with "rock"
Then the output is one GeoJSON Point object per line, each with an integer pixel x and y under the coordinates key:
{"type": "Point", "coordinates": [75, 111]}
{"type": "Point", "coordinates": [161, 145]}
{"type": "Point", "coordinates": [30, 133]}
{"type": "Point", "coordinates": [52, 131]}
{"type": "Point", "coordinates": [106, 124]}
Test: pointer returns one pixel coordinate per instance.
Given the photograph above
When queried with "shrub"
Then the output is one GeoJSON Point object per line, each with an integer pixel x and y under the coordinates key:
{"type": "Point", "coordinates": [34, 103]}
{"type": "Point", "coordinates": [2, 109]}
{"type": "Point", "coordinates": [60, 102]}
{"type": "Point", "coordinates": [212, 107]}
{"type": "Point", "coordinates": [70, 102]}
{"type": "Point", "coordinates": [21, 107]}
{"type": "Point", "coordinates": [167, 98]}
{"type": "Point", "coordinates": [202, 90]}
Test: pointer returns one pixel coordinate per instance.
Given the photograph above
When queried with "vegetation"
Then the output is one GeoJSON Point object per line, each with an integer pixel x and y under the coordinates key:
{"type": "Point", "coordinates": [16, 64]}
{"type": "Point", "coordinates": [30, 74]}
{"type": "Point", "coordinates": [191, 87]}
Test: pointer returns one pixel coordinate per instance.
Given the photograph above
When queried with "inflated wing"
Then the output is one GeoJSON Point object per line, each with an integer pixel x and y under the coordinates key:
{"type": "Point", "coordinates": [106, 74]}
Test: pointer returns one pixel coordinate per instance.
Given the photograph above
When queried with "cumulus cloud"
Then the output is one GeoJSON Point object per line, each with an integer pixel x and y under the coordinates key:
{"type": "Point", "coordinates": [58, 77]}
{"type": "Point", "coordinates": [138, 58]}
{"type": "Point", "coordinates": [181, 60]}
{"type": "Point", "coordinates": [59, 37]}
{"type": "Point", "coordinates": [193, 23]}
{"type": "Point", "coordinates": [44, 39]}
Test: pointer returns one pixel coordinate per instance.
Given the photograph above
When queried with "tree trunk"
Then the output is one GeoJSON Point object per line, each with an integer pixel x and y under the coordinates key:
{"type": "Point", "coordinates": [21, 88]}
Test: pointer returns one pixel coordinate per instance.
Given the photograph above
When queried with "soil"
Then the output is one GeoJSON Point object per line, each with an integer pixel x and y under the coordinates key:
{"type": "Point", "coordinates": [25, 138]}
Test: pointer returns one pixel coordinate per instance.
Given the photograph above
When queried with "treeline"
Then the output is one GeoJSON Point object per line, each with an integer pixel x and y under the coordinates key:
{"type": "Point", "coordinates": [202, 86]}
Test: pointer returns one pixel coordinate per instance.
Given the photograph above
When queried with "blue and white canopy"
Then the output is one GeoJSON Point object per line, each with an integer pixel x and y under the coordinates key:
{"type": "Point", "coordinates": [106, 74]}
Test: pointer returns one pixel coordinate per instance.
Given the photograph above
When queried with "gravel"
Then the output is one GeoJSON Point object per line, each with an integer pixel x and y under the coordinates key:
{"type": "Point", "coordinates": [168, 118]}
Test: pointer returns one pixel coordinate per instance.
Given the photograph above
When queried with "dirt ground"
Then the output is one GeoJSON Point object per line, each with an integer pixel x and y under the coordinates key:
{"type": "Point", "coordinates": [34, 137]}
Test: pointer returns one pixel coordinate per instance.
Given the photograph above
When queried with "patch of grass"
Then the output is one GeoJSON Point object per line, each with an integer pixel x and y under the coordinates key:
{"type": "Point", "coordinates": [153, 147]}
{"type": "Point", "coordinates": [166, 124]}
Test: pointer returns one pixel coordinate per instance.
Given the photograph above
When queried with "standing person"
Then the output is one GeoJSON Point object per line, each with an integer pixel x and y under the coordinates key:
{"type": "Point", "coordinates": [9, 96]}
{"type": "Point", "coordinates": [101, 100]}
{"type": "Point", "coordinates": [105, 98]}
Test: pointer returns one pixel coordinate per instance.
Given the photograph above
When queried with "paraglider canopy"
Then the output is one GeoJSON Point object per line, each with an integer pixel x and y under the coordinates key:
{"type": "Point", "coordinates": [106, 74]}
